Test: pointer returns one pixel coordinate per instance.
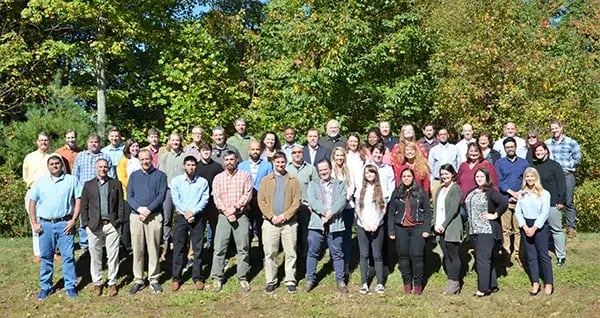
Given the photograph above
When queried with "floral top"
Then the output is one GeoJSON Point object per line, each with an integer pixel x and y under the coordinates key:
{"type": "Point", "coordinates": [476, 203]}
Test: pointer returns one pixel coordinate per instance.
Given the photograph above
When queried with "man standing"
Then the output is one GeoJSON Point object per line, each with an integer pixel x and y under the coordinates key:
{"type": "Point", "coordinates": [101, 217]}
{"type": "Point", "coordinates": [463, 144]}
{"type": "Point", "coordinates": [55, 203]}
{"type": "Point", "coordinates": [333, 138]}
{"type": "Point", "coordinates": [428, 141]}
{"type": "Point", "coordinates": [258, 169]}
{"type": "Point", "coordinates": [289, 135]}
{"type": "Point", "coordinates": [114, 150]}
{"type": "Point", "coordinates": [154, 146]}
{"type": "Point", "coordinates": [510, 130]}
{"type": "Point", "coordinates": [567, 153]}
{"type": "Point", "coordinates": [69, 151]}
{"type": "Point", "coordinates": [84, 170]}
{"type": "Point", "coordinates": [208, 169]}
{"type": "Point", "coordinates": [232, 191]}
{"type": "Point", "coordinates": [279, 198]}
{"type": "Point", "coordinates": [35, 166]}
{"type": "Point", "coordinates": [510, 171]}
{"type": "Point", "coordinates": [441, 154]}
{"type": "Point", "coordinates": [327, 200]}
{"type": "Point", "coordinates": [220, 146]}
{"type": "Point", "coordinates": [171, 164]}
{"type": "Point", "coordinates": [190, 195]}
{"type": "Point", "coordinates": [241, 140]}
{"type": "Point", "coordinates": [313, 152]}
{"type": "Point", "coordinates": [389, 140]}
{"type": "Point", "coordinates": [194, 148]}
{"type": "Point", "coordinates": [146, 192]}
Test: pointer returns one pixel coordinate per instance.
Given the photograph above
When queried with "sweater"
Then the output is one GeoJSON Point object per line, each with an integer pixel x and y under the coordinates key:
{"type": "Point", "coordinates": [147, 188]}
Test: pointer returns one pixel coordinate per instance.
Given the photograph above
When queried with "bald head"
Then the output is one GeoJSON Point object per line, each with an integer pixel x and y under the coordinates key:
{"type": "Point", "coordinates": [254, 150]}
{"type": "Point", "coordinates": [467, 131]}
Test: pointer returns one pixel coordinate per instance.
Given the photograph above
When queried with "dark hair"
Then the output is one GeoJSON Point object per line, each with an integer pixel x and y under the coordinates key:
{"type": "Point", "coordinates": [450, 168]}
{"type": "Point", "coordinates": [128, 143]}
{"type": "Point", "coordinates": [113, 128]}
{"type": "Point", "coordinates": [427, 125]}
{"type": "Point", "coordinates": [507, 140]}
{"type": "Point", "coordinates": [190, 158]}
{"type": "Point", "coordinates": [488, 178]}
{"type": "Point", "coordinates": [279, 154]}
{"type": "Point", "coordinates": [376, 131]}
{"type": "Point", "coordinates": [262, 141]}
{"type": "Point", "coordinates": [205, 145]}
{"type": "Point", "coordinates": [402, 191]}
{"type": "Point", "coordinates": [379, 146]}
{"type": "Point", "coordinates": [95, 136]}
{"type": "Point", "coordinates": [476, 146]}
{"type": "Point", "coordinates": [229, 153]}
{"type": "Point", "coordinates": [540, 144]}
{"type": "Point", "coordinates": [325, 160]}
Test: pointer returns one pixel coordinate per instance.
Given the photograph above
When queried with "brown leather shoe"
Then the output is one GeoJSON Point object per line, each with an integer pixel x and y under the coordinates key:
{"type": "Point", "coordinates": [175, 286]}
{"type": "Point", "coordinates": [199, 285]}
{"type": "Point", "coordinates": [572, 233]}
{"type": "Point", "coordinates": [97, 290]}
{"type": "Point", "coordinates": [112, 290]}
{"type": "Point", "coordinates": [37, 259]}
{"type": "Point", "coordinates": [57, 257]}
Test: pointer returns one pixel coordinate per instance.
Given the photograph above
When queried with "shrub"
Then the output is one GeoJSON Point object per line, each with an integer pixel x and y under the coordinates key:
{"type": "Point", "coordinates": [587, 201]}
{"type": "Point", "coordinates": [14, 221]}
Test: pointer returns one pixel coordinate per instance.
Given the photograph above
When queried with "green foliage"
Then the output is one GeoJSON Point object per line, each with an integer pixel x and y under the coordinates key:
{"type": "Point", "coordinates": [14, 221]}
{"type": "Point", "coordinates": [587, 202]}
{"type": "Point", "coordinates": [58, 115]}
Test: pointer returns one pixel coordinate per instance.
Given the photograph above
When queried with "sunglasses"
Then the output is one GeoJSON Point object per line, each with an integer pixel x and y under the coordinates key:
{"type": "Point", "coordinates": [531, 137]}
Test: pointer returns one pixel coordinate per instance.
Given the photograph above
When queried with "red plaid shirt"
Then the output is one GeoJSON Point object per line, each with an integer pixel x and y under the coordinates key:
{"type": "Point", "coordinates": [231, 190]}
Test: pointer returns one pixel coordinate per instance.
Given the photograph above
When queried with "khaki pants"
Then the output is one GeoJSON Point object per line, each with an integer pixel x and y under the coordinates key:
{"type": "Point", "coordinates": [434, 187]}
{"type": "Point", "coordinates": [107, 237]}
{"type": "Point", "coordinates": [288, 235]}
{"type": "Point", "coordinates": [148, 233]}
{"type": "Point", "coordinates": [510, 226]}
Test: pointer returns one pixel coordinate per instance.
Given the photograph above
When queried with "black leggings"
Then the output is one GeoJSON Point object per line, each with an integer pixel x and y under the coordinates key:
{"type": "Point", "coordinates": [451, 258]}
{"type": "Point", "coordinates": [486, 246]}
{"type": "Point", "coordinates": [370, 241]}
{"type": "Point", "coordinates": [410, 247]}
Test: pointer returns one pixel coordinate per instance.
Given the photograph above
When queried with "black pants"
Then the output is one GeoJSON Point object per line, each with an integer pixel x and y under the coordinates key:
{"type": "Point", "coordinates": [537, 253]}
{"type": "Point", "coordinates": [371, 242]}
{"type": "Point", "coordinates": [486, 246]}
{"type": "Point", "coordinates": [180, 240]}
{"type": "Point", "coordinates": [451, 258]}
{"type": "Point", "coordinates": [303, 220]}
{"type": "Point", "coordinates": [125, 231]}
{"type": "Point", "coordinates": [410, 247]}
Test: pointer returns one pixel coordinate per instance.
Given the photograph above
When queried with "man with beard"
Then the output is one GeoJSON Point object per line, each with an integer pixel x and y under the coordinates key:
{"type": "Point", "coordinates": [314, 152]}
{"type": "Point", "coordinates": [333, 138]}
{"type": "Point", "coordinates": [428, 140]}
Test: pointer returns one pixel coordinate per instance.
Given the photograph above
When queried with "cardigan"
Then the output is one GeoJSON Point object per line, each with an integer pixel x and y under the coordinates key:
{"type": "Point", "coordinates": [453, 224]}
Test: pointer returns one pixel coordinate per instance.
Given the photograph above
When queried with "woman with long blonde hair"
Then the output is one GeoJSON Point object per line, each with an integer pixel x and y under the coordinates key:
{"type": "Point", "coordinates": [341, 172]}
{"type": "Point", "coordinates": [414, 160]}
{"type": "Point", "coordinates": [532, 210]}
{"type": "Point", "coordinates": [370, 210]}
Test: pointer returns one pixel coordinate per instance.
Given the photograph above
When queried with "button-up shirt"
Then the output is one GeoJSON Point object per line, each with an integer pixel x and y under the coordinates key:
{"type": "Point", "coordinates": [84, 168]}
{"type": "Point", "coordinates": [566, 152]}
{"type": "Point", "coordinates": [440, 155]}
{"type": "Point", "coordinates": [521, 147]}
{"type": "Point", "coordinates": [510, 174]}
{"type": "Point", "coordinates": [305, 174]}
{"type": "Point", "coordinates": [189, 194]}
{"type": "Point", "coordinates": [114, 153]}
{"type": "Point", "coordinates": [69, 155]}
{"type": "Point", "coordinates": [171, 163]}
{"type": "Point", "coordinates": [232, 190]}
{"type": "Point", "coordinates": [287, 149]}
{"type": "Point", "coordinates": [35, 166]}
{"type": "Point", "coordinates": [55, 196]}
{"type": "Point", "coordinates": [103, 189]}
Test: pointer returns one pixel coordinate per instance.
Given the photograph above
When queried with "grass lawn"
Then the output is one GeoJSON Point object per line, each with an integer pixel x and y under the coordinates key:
{"type": "Point", "coordinates": [577, 293]}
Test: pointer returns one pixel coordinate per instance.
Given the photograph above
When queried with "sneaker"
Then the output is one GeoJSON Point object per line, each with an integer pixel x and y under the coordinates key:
{"type": "Point", "coordinates": [364, 289]}
{"type": "Point", "coordinates": [175, 286]}
{"type": "Point", "coordinates": [71, 292]}
{"type": "Point", "coordinates": [561, 262]}
{"type": "Point", "coordinates": [417, 290]}
{"type": "Point", "coordinates": [341, 286]}
{"type": "Point", "coordinates": [309, 285]}
{"type": "Point", "coordinates": [269, 289]}
{"type": "Point", "coordinates": [136, 288]}
{"type": "Point", "coordinates": [217, 286]}
{"type": "Point", "coordinates": [156, 288]}
{"type": "Point", "coordinates": [380, 289]}
{"type": "Point", "coordinates": [43, 294]}
{"type": "Point", "coordinates": [112, 290]}
{"type": "Point", "coordinates": [291, 289]}
{"type": "Point", "coordinates": [245, 285]}
{"type": "Point", "coordinates": [97, 291]}
{"type": "Point", "coordinates": [199, 285]}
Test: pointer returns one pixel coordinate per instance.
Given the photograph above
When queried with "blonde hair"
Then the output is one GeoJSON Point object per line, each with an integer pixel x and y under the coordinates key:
{"type": "Point", "coordinates": [537, 187]}
{"type": "Point", "coordinates": [341, 173]}
{"type": "Point", "coordinates": [377, 192]}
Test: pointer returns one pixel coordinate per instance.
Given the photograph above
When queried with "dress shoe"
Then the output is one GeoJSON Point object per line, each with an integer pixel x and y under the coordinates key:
{"type": "Point", "coordinates": [112, 290]}
{"type": "Point", "coordinates": [561, 262]}
{"type": "Point", "coordinates": [175, 286]}
{"type": "Point", "coordinates": [309, 285]}
{"type": "Point", "coordinates": [97, 291]}
{"type": "Point", "coordinates": [535, 292]}
{"type": "Point", "coordinates": [199, 285]}
{"type": "Point", "coordinates": [549, 290]}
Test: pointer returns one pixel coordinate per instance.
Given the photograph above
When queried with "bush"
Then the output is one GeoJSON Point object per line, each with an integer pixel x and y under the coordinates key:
{"type": "Point", "coordinates": [14, 221]}
{"type": "Point", "coordinates": [587, 201]}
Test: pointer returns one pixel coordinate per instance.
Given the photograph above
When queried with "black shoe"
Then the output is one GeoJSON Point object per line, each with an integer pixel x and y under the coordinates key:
{"type": "Point", "coordinates": [561, 262]}
{"type": "Point", "coordinates": [292, 289]}
{"type": "Point", "coordinates": [535, 293]}
{"type": "Point", "coordinates": [269, 289]}
{"type": "Point", "coordinates": [156, 288]}
{"type": "Point", "coordinates": [309, 285]}
{"type": "Point", "coordinates": [136, 288]}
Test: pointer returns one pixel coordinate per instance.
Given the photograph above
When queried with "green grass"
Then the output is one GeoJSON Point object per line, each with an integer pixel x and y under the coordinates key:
{"type": "Point", "coordinates": [577, 287]}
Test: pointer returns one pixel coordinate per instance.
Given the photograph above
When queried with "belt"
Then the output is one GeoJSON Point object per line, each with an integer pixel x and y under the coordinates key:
{"type": "Point", "coordinates": [64, 218]}
{"type": "Point", "coordinates": [105, 222]}
{"type": "Point", "coordinates": [568, 173]}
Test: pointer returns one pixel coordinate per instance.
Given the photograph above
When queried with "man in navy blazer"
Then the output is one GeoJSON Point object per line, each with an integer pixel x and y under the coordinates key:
{"type": "Point", "coordinates": [313, 152]}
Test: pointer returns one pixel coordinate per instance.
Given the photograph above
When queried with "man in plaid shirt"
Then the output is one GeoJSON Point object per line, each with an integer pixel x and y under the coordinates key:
{"type": "Point", "coordinates": [567, 153]}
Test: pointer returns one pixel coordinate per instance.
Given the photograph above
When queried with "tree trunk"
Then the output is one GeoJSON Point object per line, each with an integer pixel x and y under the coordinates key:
{"type": "Point", "coordinates": [101, 82]}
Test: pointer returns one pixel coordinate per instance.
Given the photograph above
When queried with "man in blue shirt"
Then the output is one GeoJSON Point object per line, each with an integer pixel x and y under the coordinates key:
{"type": "Point", "coordinates": [114, 150]}
{"type": "Point", "coordinates": [190, 194]}
{"type": "Point", "coordinates": [55, 203]}
{"type": "Point", "coordinates": [510, 171]}
{"type": "Point", "coordinates": [567, 153]}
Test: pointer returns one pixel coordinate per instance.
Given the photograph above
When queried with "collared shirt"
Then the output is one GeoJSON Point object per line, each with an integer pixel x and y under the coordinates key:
{"type": "Point", "coordinates": [462, 146]}
{"type": "Point", "coordinates": [218, 152]}
{"type": "Point", "coordinates": [194, 150]}
{"type": "Point", "coordinates": [327, 188]}
{"type": "Point", "coordinates": [55, 196]}
{"type": "Point", "coordinates": [189, 194]}
{"type": "Point", "coordinates": [84, 168]}
{"type": "Point", "coordinates": [114, 153]}
{"type": "Point", "coordinates": [440, 155]}
{"type": "Point", "coordinates": [305, 174]}
{"type": "Point", "coordinates": [287, 149]}
{"type": "Point", "coordinates": [171, 163]}
{"type": "Point", "coordinates": [566, 152]}
{"type": "Point", "coordinates": [254, 168]}
{"type": "Point", "coordinates": [35, 166]}
{"type": "Point", "coordinates": [103, 189]}
{"type": "Point", "coordinates": [68, 154]}
{"type": "Point", "coordinates": [521, 147]}
{"type": "Point", "coordinates": [428, 144]}
{"type": "Point", "coordinates": [530, 206]}
{"type": "Point", "coordinates": [155, 153]}
{"type": "Point", "coordinates": [312, 152]}
{"type": "Point", "coordinates": [241, 143]}
{"type": "Point", "coordinates": [232, 190]}
{"type": "Point", "coordinates": [510, 174]}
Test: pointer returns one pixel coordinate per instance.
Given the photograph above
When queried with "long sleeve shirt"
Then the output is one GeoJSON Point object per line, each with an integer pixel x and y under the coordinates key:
{"type": "Point", "coordinates": [147, 188]}
{"type": "Point", "coordinates": [440, 155]}
{"type": "Point", "coordinates": [189, 194]}
{"type": "Point", "coordinates": [521, 147]}
{"type": "Point", "coordinates": [530, 206]}
{"type": "Point", "coordinates": [232, 189]}
{"type": "Point", "coordinates": [171, 163]}
{"type": "Point", "coordinates": [510, 174]}
{"type": "Point", "coordinates": [371, 214]}
{"type": "Point", "coordinates": [84, 168]}
{"type": "Point", "coordinates": [566, 152]}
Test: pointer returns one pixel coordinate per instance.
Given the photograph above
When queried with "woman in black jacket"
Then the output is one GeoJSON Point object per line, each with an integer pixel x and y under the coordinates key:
{"type": "Point", "coordinates": [484, 206]}
{"type": "Point", "coordinates": [409, 225]}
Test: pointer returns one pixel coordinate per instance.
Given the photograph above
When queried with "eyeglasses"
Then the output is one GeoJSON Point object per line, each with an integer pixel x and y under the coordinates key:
{"type": "Point", "coordinates": [531, 137]}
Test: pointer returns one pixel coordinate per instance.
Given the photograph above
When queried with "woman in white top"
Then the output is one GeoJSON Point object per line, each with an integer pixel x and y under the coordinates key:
{"type": "Point", "coordinates": [341, 172]}
{"type": "Point", "coordinates": [355, 152]}
{"type": "Point", "coordinates": [531, 212]}
{"type": "Point", "coordinates": [370, 209]}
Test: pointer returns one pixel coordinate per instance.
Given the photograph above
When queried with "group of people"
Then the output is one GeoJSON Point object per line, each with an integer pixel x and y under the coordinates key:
{"type": "Point", "coordinates": [193, 198]}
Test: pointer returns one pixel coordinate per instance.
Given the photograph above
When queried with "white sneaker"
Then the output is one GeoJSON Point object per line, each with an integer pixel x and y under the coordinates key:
{"type": "Point", "coordinates": [380, 289]}
{"type": "Point", "coordinates": [364, 289]}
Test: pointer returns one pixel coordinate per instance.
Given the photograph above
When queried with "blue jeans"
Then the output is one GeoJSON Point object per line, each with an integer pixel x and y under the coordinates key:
{"type": "Point", "coordinates": [316, 238]}
{"type": "Point", "coordinates": [348, 217]}
{"type": "Point", "coordinates": [569, 206]}
{"type": "Point", "coordinates": [51, 236]}
{"type": "Point", "coordinates": [83, 239]}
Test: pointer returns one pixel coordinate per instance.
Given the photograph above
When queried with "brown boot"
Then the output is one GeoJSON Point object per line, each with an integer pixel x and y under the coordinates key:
{"type": "Point", "coordinates": [97, 291]}
{"type": "Point", "coordinates": [112, 290]}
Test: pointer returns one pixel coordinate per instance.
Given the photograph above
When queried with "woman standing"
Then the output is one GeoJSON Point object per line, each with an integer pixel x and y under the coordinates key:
{"type": "Point", "coordinates": [373, 139]}
{"type": "Point", "coordinates": [355, 152]}
{"type": "Point", "coordinates": [125, 167]}
{"type": "Point", "coordinates": [413, 159]}
{"type": "Point", "coordinates": [533, 138]}
{"type": "Point", "coordinates": [532, 212]}
{"type": "Point", "coordinates": [484, 206]}
{"type": "Point", "coordinates": [409, 222]}
{"type": "Point", "coordinates": [448, 226]}
{"type": "Point", "coordinates": [370, 209]}
{"type": "Point", "coordinates": [484, 140]}
{"type": "Point", "coordinates": [269, 144]}
{"type": "Point", "coordinates": [467, 169]}
{"type": "Point", "coordinates": [341, 172]}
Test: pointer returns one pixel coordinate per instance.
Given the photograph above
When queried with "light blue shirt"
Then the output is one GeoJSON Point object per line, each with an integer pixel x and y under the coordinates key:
{"type": "Point", "coordinates": [440, 155]}
{"type": "Point", "coordinates": [530, 206]}
{"type": "Point", "coordinates": [114, 153]}
{"type": "Point", "coordinates": [188, 194]}
{"type": "Point", "coordinates": [55, 196]}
